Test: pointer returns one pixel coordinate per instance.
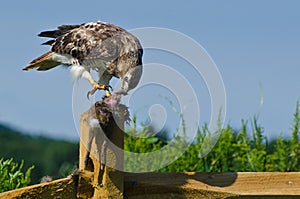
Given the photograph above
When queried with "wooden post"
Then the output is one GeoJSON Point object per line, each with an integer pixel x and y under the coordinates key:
{"type": "Point", "coordinates": [98, 148]}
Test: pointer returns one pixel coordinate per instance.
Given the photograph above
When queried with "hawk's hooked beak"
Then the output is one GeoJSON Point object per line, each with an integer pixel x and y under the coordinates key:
{"type": "Point", "coordinates": [125, 85]}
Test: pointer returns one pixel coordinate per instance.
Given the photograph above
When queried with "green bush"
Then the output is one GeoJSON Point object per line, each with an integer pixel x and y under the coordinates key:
{"type": "Point", "coordinates": [242, 150]}
{"type": "Point", "coordinates": [11, 176]}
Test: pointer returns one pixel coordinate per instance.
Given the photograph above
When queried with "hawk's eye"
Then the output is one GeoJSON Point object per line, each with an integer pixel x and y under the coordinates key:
{"type": "Point", "coordinates": [126, 79]}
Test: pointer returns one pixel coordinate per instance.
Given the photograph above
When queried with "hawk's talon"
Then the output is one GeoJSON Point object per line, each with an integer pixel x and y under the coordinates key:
{"type": "Point", "coordinates": [91, 92]}
{"type": "Point", "coordinates": [88, 95]}
{"type": "Point", "coordinates": [107, 92]}
{"type": "Point", "coordinates": [108, 87]}
{"type": "Point", "coordinates": [96, 87]}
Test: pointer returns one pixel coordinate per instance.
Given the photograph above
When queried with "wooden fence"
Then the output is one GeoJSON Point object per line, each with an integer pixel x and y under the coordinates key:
{"type": "Point", "coordinates": [94, 180]}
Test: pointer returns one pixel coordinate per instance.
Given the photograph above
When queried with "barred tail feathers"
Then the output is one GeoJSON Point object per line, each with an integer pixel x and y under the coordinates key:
{"type": "Point", "coordinates": [44, 62]}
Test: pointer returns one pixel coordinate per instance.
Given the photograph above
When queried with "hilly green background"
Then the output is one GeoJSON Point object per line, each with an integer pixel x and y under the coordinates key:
{"type": "Point", "coordinates": [56, 158]}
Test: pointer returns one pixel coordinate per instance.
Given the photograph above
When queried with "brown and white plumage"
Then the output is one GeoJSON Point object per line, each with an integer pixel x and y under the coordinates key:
{"type": "Point", "coordinates": [106, 48]}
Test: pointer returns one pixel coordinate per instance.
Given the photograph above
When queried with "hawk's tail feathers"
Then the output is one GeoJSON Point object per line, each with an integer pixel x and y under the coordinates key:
{"type": "Point", "coordinates": [43, 62]}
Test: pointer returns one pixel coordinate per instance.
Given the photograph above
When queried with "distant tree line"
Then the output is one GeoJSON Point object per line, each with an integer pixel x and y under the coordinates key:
{"type": "Point", "coordinates": [50, 157]}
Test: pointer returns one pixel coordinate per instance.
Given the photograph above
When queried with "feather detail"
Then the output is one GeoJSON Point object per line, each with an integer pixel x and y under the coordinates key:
{"type": "Point", "coordinates": [43, 62]}
{"type": "Point", "coordinates": [60, 31]}
{"type": "Point", "coordinates": [50, 42]}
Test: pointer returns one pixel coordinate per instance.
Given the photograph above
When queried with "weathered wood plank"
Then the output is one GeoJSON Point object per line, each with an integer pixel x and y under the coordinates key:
{"type": "Point", "coordinates": [63, 188]}
{"type": "Point", "coordinates": [212, 185]}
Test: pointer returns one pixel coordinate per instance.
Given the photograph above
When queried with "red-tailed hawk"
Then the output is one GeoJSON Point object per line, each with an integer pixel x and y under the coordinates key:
{"type": "Point", "coordinates": [106, 48]}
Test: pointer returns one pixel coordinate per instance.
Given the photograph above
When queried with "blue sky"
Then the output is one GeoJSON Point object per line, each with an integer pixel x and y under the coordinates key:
{"type": "Point", "coordinates": [253, 43]}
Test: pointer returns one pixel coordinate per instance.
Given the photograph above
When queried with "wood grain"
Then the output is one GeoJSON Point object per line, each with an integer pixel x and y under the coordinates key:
{"type": "Point", "coordinates": [212, 185]}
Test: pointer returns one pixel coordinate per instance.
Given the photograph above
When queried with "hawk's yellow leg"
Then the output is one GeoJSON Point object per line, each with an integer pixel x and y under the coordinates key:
{"type": "Point", "coordinates": [97, 86]}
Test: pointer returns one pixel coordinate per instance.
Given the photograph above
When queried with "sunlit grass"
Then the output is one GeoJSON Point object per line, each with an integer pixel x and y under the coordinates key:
{"type": "Point", "coordinates": [235, 150]}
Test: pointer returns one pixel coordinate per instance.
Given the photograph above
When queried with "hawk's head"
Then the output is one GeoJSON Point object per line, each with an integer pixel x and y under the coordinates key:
{"type": "Point", "coordinates": [135, 68]}
{"type": "Point", "coordinates": [131, 78]}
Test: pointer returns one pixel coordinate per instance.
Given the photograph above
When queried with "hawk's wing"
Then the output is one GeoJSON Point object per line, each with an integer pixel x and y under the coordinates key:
{"type": "Point", "coordinates": [87, 43]}
{"type": "Point", "coordinates": [58, 32]}
{"type": "Point", "coordinates": [90, 41]}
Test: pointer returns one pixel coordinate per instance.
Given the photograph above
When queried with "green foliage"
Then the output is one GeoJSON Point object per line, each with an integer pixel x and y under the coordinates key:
{"type": "Point", "coordinates": [286, 156]}
{"type": "Point", "coordinates": [243, 150]}
{"type": "Point", "coordinates": [11, 175]}
{"type": "Point", "coordinates": [55, 158]}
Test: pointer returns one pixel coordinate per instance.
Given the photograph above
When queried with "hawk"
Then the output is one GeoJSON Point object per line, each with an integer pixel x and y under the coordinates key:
{"type": "Point", "coordinates": [103, 47]}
